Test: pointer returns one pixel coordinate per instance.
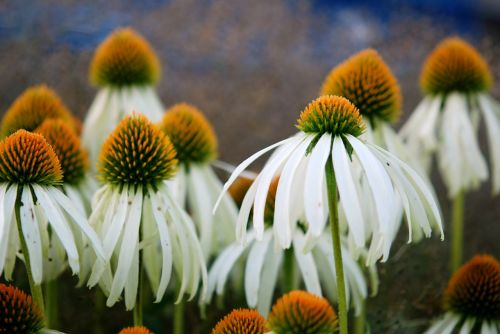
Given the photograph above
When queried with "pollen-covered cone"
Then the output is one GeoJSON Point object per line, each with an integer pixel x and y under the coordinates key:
{"type": "Point", "coordinates": [196, 186]}
{"type": "Point", "coordinates": [30, 173]}
{"type": "Point", "coordinates": [135, 210]}
{"type": "Point", "coordinates": [126, 69]}
{"type": "Point", "coordinates": [455, 80]}
{"type": "Point", "coordinates": [241, 321]}
{"type": "Point", "coordinates": [472, 299]}
{"type": "Point", "coordinates": [135, 330]}
{"type": "Point", "coordinates": [299, 312]}
{"type": "Point", "coordinates": [32, 107]}
{"type": "Point", "coordinates": [18, 313]}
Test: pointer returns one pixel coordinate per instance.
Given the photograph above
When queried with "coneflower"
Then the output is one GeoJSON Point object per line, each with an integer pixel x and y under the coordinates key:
{"type": "Point", "coordinates": [455, 80]}
{"type": "Point", "coordinates": [19, 314]}
{"type": "Point", "coordinates": [299, 312]}
{"type": "Point", "coordinates": [472, 299]}
{"type": "Point", "coordinates": [135, 330]}
{"type": "Point", "coordinates": [35, 105]}
{"type": "Point", "coordinates": [241, 321]}
{"type": "Point", "coordinates": [140, 223]}
{"type": "Point", "coordinates": [126, 69]}
{"type": "Point", "coordinates": [30, 202]}
{"type": "Point", "coordinates": [196, 184]}
{"type": "Point", "coordinates": [322, 152]}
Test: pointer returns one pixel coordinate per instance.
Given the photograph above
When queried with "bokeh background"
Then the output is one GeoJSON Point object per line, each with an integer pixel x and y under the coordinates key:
{"type": "Point", "coordinates": [252, 66]}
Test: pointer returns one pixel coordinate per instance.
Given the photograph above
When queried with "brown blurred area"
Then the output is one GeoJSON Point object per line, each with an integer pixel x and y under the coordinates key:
{"type": "Point", "coordinates": [252, 66]}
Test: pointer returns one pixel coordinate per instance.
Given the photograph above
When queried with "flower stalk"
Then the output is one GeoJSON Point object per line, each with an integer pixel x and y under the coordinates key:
{"type": "Point", "coordinates": [457, 232]}
{"type": "Point", "coordinates": [51, 304]}
{"type": "Point", "coordinates": [179, 317]}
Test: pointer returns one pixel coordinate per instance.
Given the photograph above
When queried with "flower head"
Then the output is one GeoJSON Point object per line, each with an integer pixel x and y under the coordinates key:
{"type": "Point", "coordinates": [124, 58]}
{"type": "Point", "coordinates": [135, 330]}
{"type": "Point", "coordinates": [192, 135]}
{"type": "Point", "coordinates": [366, 81]}
{"type": "Point", "coordinates": [455, 65]}
{"type": "Point", "coordinates": [18, 312]}
{"type": "Point", "coordinates": [66, 144]}
{"type": "Point", "coordinates": [474, 290]}
{"type": "Point", "coordinates": [302, 313]}
{"type": "Point", "coordinates": [27, 158]}
{"type": "Point", "coordinates": [241, 321]}
{"type": "Point", "coordinates": [31, 108]}
{"type": "Point", "coordinates": [137, 152]}
{"type": "Point", "coordinates": [331, 114]}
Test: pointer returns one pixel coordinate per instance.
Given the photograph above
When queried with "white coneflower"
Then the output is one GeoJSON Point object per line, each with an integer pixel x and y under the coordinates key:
{"type": "Point", "coordinates": [196, 145]}
{"type": "Point", "coordinates": [139, 221]}
{"type": "Point", "coordinates": [472, 299]}
{"type": "Point", "coordinates": [456, 80]}
{"type": "Point", "coordinates": [322, 152]}
{"type": "Point", "coordinates": [263, 263]}
{"type": "Point", "coordinates": [126, 69]}
{"type": "Point", "coordinates": [30, 174]}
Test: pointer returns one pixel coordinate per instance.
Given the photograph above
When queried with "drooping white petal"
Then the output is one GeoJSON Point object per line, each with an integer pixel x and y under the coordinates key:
{"type": "Point", "coordinates": [253, 268]}
{"type": "Point", "coordinates": [306, 266]}
{"type": "Point", "coordinates": [132, 283]}
{"type": "Point", "coordinates": [151, 256]}
{"type": "Point", "coordinates": [439, 326]}
{"type": "Point", "coordinates": [222, 165]}
{"type": "Point", "coordinates": [467, 326]}
{"type": "Point", "coordinates": [492, 123]}
{"type": "Point", "coordinates": [245, 209]}
{"type": "Point", "coordinates": [269, 277]}
{"type": "Point", "coordinates": [347, 190]}
{"type": "Point", "coordinates": [241, 167]}
{"type": "Point", "coordinates": [7, 203]}
{"type": "Point", "coordinates": [97, 124]}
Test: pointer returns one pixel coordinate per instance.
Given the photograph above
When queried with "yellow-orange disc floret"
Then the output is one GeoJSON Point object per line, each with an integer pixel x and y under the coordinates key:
{"type": "Point", "coordinates": [331, 114]}
{"type": "Point", "coordinates": [124, 58]}
{"type": "Point", "coordinates": [474, 290]}
{"type": "Point", "coordinates": [366, 81]}
{"type": "Point", "coordinates": [300, 312]}
{"type": "Point", "coordinates": [137, 153]}
{"type": "Point", "coordinates": [239, 188]}
{"type": "Point", "coordinates": [191, 133]}
{"type": "Point", "coordinates": [135, 330]}
{"type": "Point", "coordinates": [66, 144]}
{"type": "Point", "coordinates": [18, 313]}
{"type": "Point", "coordinates": [27, 158]}
{"type": "Point", "coordinates": [241, 321]}
{"type": "Point", "coordinates": [454, 65]}
{"type": "Point", "coordinates": [32, 107]}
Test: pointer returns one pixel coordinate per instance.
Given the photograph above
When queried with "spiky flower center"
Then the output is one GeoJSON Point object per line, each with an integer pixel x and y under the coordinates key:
{"type": "Point", "coordinates": [31, 108]}
{"type": "Point", "coordinates": [124, 58]}
{"type": "Point", "coordinates": [239, 189]}
{"type": "Point", "coordinates": [135, 330]}
{"type": "Point", "coordinates": [474, 290]}
{"type": "Point", "coordinates": [331, 114]}
{"type": "Point", "coordinates": [454, 65]}
{"type": "Point", "coordinates": [366, 81]}
{"type": "Point", "coordinates": [137, 152]}
{"type": "Point", "coordinates": [191, 133]}
{"type": "Point", "coordinates": [299, 312]}
{"type": "Point", "coordinates": [66, 144]}
{"type": "Point", "coordinates": [18, 312]}
{"type": "Point", "coordinates": [241, 321]}
{"type": "Point", "coordinates": [27, 158]}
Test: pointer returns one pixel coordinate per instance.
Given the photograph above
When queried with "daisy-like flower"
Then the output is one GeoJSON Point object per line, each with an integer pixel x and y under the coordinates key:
{"type": "Point", "coordinates": [299, 312]}
{"type": "Point", "coordinates": [196, 184]}
{"type": "Point", "coordinates": [263, 263]}
{"type": "Point", "coordinates": [139, 221]}
{"type": "Point", "coordinates": [135, 330]}
{"type": "Point", "coordinates": [32, 107]}
{"type": "Point", "coordinates": [126, 69]}
{"type": "Point", "coordinates": [30, 174]}
{"type": "Point", "coordinates": [241, 321]}
{"type": "Point", "coordinates": [455, 80]}
{"type": "Point", "coordinates": [472, 299]}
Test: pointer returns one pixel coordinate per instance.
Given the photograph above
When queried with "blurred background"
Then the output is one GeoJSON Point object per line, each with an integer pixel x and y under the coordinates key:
{"type": "Point", "coordinates": [252, 66]}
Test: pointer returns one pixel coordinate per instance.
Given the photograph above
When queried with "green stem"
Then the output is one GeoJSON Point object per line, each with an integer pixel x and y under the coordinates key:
{"type": "Point", "coordinates": [51, 305]}
{"type": "Point", "coordinates": [359, 320]}
{"type": "Point", "coordinates": [36, 290]}
{"type": "Point", "coordinates": [331, 186]}
{"type": "Point", "coordinates": [289, 271]}
{"type": "Point", "coordinates": [457, 233]}
{"type": "Point", "coordinates": [138, 304]}
{"type": "Point", "coordinates": [179, 317]}
{"type": "Point", "coordinates": [99, 310]}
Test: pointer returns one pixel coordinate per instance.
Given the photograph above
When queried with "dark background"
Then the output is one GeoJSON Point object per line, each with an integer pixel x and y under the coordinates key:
{"type": "Point", "coordinates": [252, 66]}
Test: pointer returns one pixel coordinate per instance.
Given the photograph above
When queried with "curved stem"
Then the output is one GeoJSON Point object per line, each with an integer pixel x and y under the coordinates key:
{"type": "Point", "coordinates": [179, 317]}
{"type": "Point", "coordinates": [457, 233]}
{"type": "Point", "coordinates": [36, 290]}
{"type": "Point", "coordinates": [51, 305]}
{"type": "Point", "coordinates": [331, 186]}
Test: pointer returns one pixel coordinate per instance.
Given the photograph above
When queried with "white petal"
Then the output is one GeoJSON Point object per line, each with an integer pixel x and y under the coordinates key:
{"type": "Point", "coordinates": [347, 190]}
{"type": "Point", "coordinates": [253, 268]}
{"type": "Point", "coordinates": [306, 266]}
{"type": "Point", "coordinates": [270, 271]}
{"type": "Point", "coordinates": [7, 203]}
{"type": "Point", "coordinates": [245, 209]}
{"type": "Point", "coordinates": [151, 256]}
{"type": "Point", "coordinates": [493, 126]}
{"type": "Point", "coordinates": [467, 326]}
{"type": "Point", "coordinates": [117, 218]}
{"type": "Point", "coordinates": [132, 283]}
